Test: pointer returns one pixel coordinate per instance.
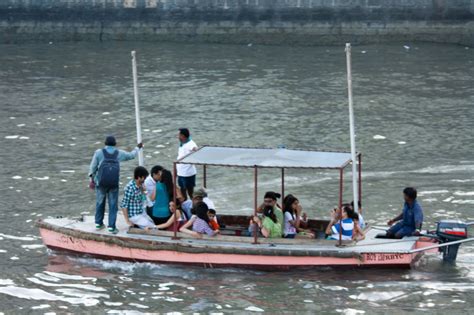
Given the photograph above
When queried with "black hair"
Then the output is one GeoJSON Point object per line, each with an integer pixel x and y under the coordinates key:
{"type": "Point", "coordinates": [212, 211]}
{"type": "Point", "coordinates": [167, 180]}
{"type": "Point", "coordinates": [351, 214]}
{"type": "Point", "coordinates": [410, 192]}
{"type": "Point", "coordinates": [155, 169]}
{"type": "Point", "coordinates": [110, 141]}
{"type": "Point", "coordinates": [272, 195]}
{"type": "Point", "coordinates": [184, 132]}
{"type": "Point", "coordinates": [140, 171]}
{"type": "Point", "coordinates": [268, 212]}
{"type": "Point", "coordinates": [358, 203]}
{"type": "Point", "coordinates": [201, 211]}
{"type": "Point", "coordinates": [288, 203]}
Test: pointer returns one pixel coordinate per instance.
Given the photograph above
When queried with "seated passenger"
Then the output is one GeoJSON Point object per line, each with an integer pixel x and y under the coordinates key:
{"type": "Point", "coordinates": [180, 219]}
{"type": "Point", "coordinates": [162, 198]}
{"type": "Point", "coordinates": [201, 223]}
{"type": "Point", "coordinates": [213, 220]}
{"type": "Point", "coordinates": [359, 212]}
{"type": "Point", "coordinates": [198, 196]}
{"type": "Point", "coordinates": [294, 221]}
{"type": "Point", "coordinates": [189, 224]}
{"type": "Point", "coordinates": [411, 217]}
{"type": "Point", "coordinates": [269, 226]}
{"type": "Point", "coordinates": [334, 229]}
{"type": "Point", "coordinates": [270, 199]}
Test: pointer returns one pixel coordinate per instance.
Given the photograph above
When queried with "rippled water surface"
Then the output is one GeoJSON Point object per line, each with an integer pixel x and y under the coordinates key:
{"type": "Point", "coordinates": [415, 120]}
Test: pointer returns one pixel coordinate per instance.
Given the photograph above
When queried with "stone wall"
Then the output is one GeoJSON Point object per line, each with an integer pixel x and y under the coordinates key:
{"type": "Point", "coordinates": [307, 22]}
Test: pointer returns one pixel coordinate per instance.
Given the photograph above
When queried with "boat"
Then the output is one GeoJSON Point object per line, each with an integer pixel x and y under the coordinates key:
{"type": "Point", "coordinates": [232, 248]}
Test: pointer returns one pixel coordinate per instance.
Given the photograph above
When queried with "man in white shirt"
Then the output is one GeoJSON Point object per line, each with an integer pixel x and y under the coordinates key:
{"type": "Point", "coordinates": [150, 185]}
{"type": "Point", "coordinates": [186, 172]}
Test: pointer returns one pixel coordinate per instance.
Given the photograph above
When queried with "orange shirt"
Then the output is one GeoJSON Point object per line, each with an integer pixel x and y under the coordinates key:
{"type": "Point", "coordinates": [214, 225]}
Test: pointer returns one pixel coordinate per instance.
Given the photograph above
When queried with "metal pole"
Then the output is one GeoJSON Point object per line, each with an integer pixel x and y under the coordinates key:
{"type": "Point", "coordinates": [175, 237]}
{"type": "Point", "coordinates": [351, 127]}
{"type": "Point", "coordinates": [282, 184]}
{"type": "Point", "coordinates": [141, 161]}
{"type": "Point", "coordinates": [204, 176]}
{"type": "Point", "coordinates": [360, 181]}
{"type": "Point", "coordinates": [255, 178]}
{"type": "Point", "coordinates": [341, 187]}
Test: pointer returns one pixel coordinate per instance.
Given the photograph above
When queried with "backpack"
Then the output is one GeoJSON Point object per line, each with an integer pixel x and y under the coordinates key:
{"type": "Point", "coordinates": [109, 170]}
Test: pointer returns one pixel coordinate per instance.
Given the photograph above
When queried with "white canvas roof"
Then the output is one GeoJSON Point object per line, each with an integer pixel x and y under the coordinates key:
{"type": "Point", "coordinates": [267, 158]}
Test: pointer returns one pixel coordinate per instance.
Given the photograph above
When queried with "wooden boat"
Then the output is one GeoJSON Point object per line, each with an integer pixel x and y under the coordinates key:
{"type": "Point", "coordinates": [233, 249]}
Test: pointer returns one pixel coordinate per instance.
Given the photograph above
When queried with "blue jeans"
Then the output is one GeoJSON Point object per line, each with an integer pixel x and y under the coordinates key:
{"type": "Point", "coordinates": [112, 195]}
{"type": "Point", "coordinates": [399, 230]}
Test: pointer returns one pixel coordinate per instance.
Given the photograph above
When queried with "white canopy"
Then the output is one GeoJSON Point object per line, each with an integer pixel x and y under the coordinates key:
{"type": "Point", "coordinates": [267, 158]}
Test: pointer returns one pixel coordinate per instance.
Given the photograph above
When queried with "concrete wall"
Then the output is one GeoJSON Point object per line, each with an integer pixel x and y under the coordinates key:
{"type": "Point", "coordinates": [307, 22]}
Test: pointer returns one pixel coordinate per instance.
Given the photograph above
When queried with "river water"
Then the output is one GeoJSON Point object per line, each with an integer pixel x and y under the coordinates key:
{"type": "Point", "coordinates": [414, 117]}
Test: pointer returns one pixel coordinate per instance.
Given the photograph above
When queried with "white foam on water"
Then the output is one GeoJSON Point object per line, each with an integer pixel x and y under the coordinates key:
{"type": "Point", "coordinates": [464, 193]}
{"type": "Point", "coordinates": [124, 312]}
{"type": "Point", "coordinates": [81, 293]}
{"type": "Point", "coordinates": [33, 246]}
{"type": "Point", "coordinates": [447, 286]}
{"type": "Point", "coordinates": [47, 277]}
{"type": "Point", "coordinates": [463, 202]}
{"type": "Point", "coordinates": [68, 171]}
{"type": "Point", "coordinates": [461, 180]}
{"type": "Point", "coordinates": [28, 221]}
{"type": "Point", "coordinates": [42, 178]}
{"type": "Point", "coordinates": [159, 146]}
{"type": "Point", "coordinates": [70, 277]}
{"type": "Point", "coordinates": [6, 282]}
{"type": "Point", "coordinates": [127, 279]}
{"type": "Point", "coordinates": [20, 125]}
{"type": "Point", "coordinates": [308, 301]}
{"type": "Point", "coordinates": [173, 299]}
{"type": "Point", "coordinates": [448, 199]}
{"type": "Point", "coordinates": [12, 137]}
{"type": "Point", "coordinates": [254, 309]}
{"type": "Point", "coordinates": [39, 307]}
{"type": "Point", "coordinates": [63, 180]}
{"type": "Point", "coordinates": [15, 258]}
{"type": "Point", "coordinates": [458, 301]}
{"type": "Point", "coordinates": [350, 311]}
{"type": "Point", "coordinates": [12, 117]}
{"type": "Point", "coordinates": [445, 169]}
{"type": "Point", "coordinates": [191, 288]}
{"type": "Point", "coordinates": [138, 305]}
{"type": "Point", "coordinates": [19, 238]}
{"type": "Point", "coordinates": [113, 303]}
{"type": "Point", "coordinates": [16, 177]}
{"type": "Point", "coordinates": [379, 137]}
{"type": "Point", "coordinates": [106, 113]}
{"type": "Point", "coordinates": [88, 287]}
{"type": "Point", "coordinates": [24, 138]}
{"type": "Point", "coordinates": [2, 250]}
{"type": "Point", "coordinates": [38, 294]}
{"type": "Point", "coordinates": [377, 296]}
{"type": "Point", "coordinates": [432, 192]}
{"type": "Point", "coordinates": [157, 130]}
{"type": "Point", "coordinates": [335, 288]}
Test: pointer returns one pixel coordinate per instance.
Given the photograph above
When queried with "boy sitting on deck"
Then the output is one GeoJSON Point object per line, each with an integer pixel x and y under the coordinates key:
{"type": "Point", "coordinates": [133, 201]}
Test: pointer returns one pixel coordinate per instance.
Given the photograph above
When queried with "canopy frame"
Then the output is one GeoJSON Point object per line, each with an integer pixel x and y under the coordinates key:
{"type": "Point", "coordinates": [255, 168]}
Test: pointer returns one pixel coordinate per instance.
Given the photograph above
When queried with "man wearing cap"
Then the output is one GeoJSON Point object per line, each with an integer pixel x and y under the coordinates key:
{"type": "Point", "coordinates": [186, 172]}
{"type": "Point", "coordinates": [110, 193]}
{"type": "Point", "coordinates": [198, 196]}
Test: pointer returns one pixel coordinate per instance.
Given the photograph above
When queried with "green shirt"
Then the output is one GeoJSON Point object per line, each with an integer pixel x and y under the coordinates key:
{"type": "Point", "coordinates": [279, 215]}
{"type": "Point", "coordinates": [273, 228]}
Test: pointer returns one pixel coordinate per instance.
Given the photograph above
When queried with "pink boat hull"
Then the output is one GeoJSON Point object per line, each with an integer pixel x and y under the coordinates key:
{"type": "Point", "coordinates": [60, 241]}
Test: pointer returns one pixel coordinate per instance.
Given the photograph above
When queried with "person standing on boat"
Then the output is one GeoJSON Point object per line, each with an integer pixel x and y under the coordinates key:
{"type": "Point", "coordinates": [104, 172]}
{"type": "Point", "coordinates": [133, 202]}
{"type": "Point", "coordinates": [186, 172]}
{"type": "Point", "coordinates": [411, 218]}
{"type": "Point", "coordinates": [150, 185]}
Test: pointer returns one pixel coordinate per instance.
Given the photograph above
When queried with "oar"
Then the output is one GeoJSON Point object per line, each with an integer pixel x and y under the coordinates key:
{"type": "Point", "coordinates": [141, 161]}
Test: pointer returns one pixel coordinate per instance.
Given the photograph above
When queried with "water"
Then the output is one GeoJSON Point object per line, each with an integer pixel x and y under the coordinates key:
{"type": "Point", "coordinates": [414, 118]}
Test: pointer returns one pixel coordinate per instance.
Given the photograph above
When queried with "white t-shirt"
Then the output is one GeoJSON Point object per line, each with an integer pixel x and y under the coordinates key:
{"type": "Point", "coordinates": [289, 229]}
{"type": "Point", "coordinates": [186, 170]}
{"type": "Point", "coordinates": [150, 186]}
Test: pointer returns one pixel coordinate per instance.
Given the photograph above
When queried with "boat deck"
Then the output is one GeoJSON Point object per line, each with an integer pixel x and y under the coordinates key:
{"type": "Point", "coordinates": [233, 244]}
